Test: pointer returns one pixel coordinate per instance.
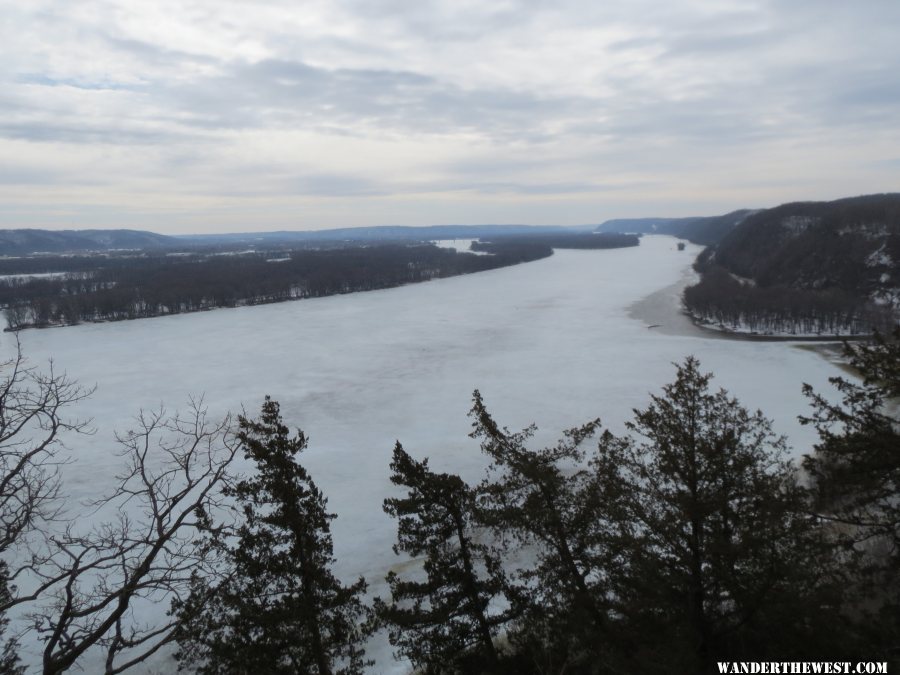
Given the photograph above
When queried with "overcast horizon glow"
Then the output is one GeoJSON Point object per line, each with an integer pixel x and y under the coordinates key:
{"type": "Point", "coordinates": [205, 116]}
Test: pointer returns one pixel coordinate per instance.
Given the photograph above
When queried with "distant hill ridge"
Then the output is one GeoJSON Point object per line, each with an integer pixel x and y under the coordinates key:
{"type": "Point", "coordinates": [851, 244]}
{"type": "Point", "coordinates": [24, 242]}
{"type": "Point", "coordinates": [27, 241]}
{"type": "Point", "coordinates": [703, 230]}
{"type": "Point", "coordinates": [384, 233]}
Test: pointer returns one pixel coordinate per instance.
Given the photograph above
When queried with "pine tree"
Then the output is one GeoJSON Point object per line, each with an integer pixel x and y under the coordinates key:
{"type": "Point", "coordinates": [856, 464]}
{"type": "Point", "coordinates": [278, 608]}
{"type": "Point", "coordinates": [855, 472]}
{"type": "Point", "coordinates": [450, 617]}
{"type": "Point", "coordinates": [723, 559]}
{"type": "Point", "coordinates": [559, 513]}
{"type": "Point", "coordinates": [9, 658]}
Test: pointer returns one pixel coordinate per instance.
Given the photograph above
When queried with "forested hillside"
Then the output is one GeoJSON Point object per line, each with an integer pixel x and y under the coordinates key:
{"type": "Point", "coordinates": [852, 244]}
{"type": "Point", "coordinates": [810, 267]}
{"type": "Point", "coordinates": [705, 230]}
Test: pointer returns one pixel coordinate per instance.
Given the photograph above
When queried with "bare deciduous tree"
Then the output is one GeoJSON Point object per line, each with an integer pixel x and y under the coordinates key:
{"type": "Point", "coordinates": [33, 417]}
{"type": "Point", "coordinates": [100, 578]}
{"type": "Point", "coordinates": [33, 407]}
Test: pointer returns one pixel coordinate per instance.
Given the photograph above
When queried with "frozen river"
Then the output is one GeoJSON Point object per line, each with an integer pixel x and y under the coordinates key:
{"type": "Point", "coordinates": [551, 342]}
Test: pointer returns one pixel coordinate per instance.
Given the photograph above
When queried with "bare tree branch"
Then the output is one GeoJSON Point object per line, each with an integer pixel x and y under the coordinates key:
{"type": "Point", "coordinates": [33, 418]}
{"type": "Point", "coordinates": [175, 469]}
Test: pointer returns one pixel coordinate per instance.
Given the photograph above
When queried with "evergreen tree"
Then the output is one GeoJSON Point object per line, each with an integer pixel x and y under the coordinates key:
{"type": "Point", "coordinates": [856, 464]}
{"type": "Point", "coordinates": [448, 620]}
{"type": "Point", "coordinates": [559, 513]}
{"type": "Point", "coordinates": [723, 560]}
{"type": "Point", "coordinates": [855, 472]}
{"type": "Point", "coordinates": [278, 608]}
{"type": "Point", "coordinates": [9, 658]}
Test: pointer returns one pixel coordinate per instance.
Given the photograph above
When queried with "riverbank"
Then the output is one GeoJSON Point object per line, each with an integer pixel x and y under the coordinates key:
{"type": "Point", "coordinates": [663, 311]}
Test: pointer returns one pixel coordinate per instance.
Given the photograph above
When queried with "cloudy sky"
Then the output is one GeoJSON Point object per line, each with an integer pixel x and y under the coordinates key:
{"type": "Point", "coordinates": [230, 115]}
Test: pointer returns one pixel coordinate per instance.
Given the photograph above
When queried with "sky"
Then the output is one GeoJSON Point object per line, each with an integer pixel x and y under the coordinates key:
{"type": "Point", "coordinates": [198, 116]}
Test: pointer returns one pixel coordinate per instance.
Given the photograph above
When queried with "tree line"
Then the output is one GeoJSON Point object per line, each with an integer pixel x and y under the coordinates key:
{"type": "Point", "coordinates": [130, 287]}
{"type": "Point", "coordinates": [722, 300]}
{"type": "Point", "coordinates": [686, 540]}
{"type": "Point", "coordinates": [588, 241]}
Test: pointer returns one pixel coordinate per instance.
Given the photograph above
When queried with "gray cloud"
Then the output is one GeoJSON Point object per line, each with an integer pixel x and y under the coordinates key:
{"type": "Point", "coordinates": [568, 188]}
{"type": "Point", "coordinates": [530, 98]}
{"type": "Point", "coordinates": [75, 132]}
{"type": "Point", "coordinates": [289, 94]}
{"type": "Point", "coordinates": [45, 81]}
{"type": "Point", "coordinates": [11, 174]}
{"type": "Point", "coordinates": [284, 93]}
{"type": "Point", "coordinates": [310, 184]}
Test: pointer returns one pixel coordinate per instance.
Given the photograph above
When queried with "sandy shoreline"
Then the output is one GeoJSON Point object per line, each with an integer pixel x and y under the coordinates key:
{"type": "Point", "coordinates": [662, 311]}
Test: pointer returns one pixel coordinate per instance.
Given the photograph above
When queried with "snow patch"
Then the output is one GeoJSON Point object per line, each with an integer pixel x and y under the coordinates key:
{"type": "Point", "coordinates": [40, 275]}
{"type": "Point", "coordinates": [796, 225]}
{"type": "Point", "coordinates": [879, 258]}
{"type": "Point", "coordinates": [866, 230]}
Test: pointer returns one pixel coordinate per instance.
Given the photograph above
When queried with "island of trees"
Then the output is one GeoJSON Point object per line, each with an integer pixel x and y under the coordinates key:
{"type": "Point", "coordinates": [113, 287]}
{"type": "Point", "coordinates": [686, 541]}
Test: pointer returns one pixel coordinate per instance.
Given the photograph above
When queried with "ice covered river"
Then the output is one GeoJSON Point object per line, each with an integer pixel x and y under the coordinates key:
{"type": "Point", "coordinates": [551, 342]}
